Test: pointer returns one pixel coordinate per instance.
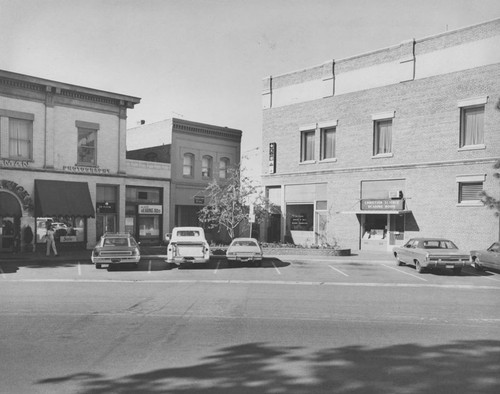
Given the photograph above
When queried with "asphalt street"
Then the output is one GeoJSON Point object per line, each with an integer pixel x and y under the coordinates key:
{"type": "Point", "coordinates": [294, 325]}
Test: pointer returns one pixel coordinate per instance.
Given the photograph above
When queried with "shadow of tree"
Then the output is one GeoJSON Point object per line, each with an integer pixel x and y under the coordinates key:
{"type": "Point", "coordinates": [458, 367]}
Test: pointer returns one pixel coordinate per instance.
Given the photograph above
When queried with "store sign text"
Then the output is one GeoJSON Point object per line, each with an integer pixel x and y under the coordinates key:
{"type": "Point", "coordinates": [86, 170]}
{"type": "Point", "coordinates": [19, 191]}
{"type": "Point", "coordinates": [15, 163]}
{"type": "Point", "coordinates": [150, 209]}
{"type": "Point", "coordinates": [382, 205]}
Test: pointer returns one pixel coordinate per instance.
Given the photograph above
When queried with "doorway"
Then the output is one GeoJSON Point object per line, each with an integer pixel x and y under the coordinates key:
{"type": "Point", "coordinates": [105, 223]}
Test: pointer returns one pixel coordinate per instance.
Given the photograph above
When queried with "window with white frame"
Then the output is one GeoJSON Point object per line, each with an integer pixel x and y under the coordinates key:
{"type": "Point", "coordinates": [470, 192]}
{"type": "Point", "coordinates": [20, 139]}
{"type": "Point", "coordinates": [223, 166]}
{"type": "Point", "coordinates": [188, 165]}
{"type": "Point", "coordinates": [87, 143]}
{"type": "Point", "coordinates": [206, 166]}
{"type": "Point", "coordinates": [327, 142]}
{"type": "Point", "coordinates": [307, 145]}
{"type": "Point", "coordinates": [382, 137]}
{"type": "Point", "coordinates": [470, 188]}
{"type": "Point", "coordinates": [471, 126]}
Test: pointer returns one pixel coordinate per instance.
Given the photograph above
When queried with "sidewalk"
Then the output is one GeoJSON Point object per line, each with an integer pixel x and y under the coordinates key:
{"type": "Point", "coordinates": [159, 252]}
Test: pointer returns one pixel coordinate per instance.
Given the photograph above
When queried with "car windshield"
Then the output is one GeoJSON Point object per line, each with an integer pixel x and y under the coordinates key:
{"type": "Point", "coordinates": [115, 242]}
{"type": "Point", "coordinates": [438, 244]}
{"type": "Point", "coordinates": [244, 243]}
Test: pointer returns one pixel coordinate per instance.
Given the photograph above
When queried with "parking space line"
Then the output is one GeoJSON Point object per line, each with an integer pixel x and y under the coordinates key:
{"type": "Point", "coordinates": [3, 273]}
{"type": "Point", "coordinates": [79, 269]}
{"type": "Point", "coordinates": [485, 277]}
{"type": "Point", "coordinates": [335, 269]}
{"type": "Point", "coordinates": [396, 269]}
{"type": "Point", "coordinates": [149, 267]}
{"type": "Point", "coordinates": [276, 268]}
{"type": "Point", "coordinates": [217, 268]}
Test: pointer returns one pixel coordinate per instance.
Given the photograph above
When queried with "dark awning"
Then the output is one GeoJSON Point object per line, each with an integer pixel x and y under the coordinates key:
{"type": "Point", "coordinates": [60, 198]}
{"type": "Point", "coordinates": [9, 206]}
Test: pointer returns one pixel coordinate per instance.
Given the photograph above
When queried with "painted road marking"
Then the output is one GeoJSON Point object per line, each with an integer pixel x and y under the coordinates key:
{"type": "Point", "coordinates": [335, 269]}
{"type": "Point", "coordinates": [217, 268]}
{"type": "Point", "coordinates": [3, 274]}
{"type": "Point", "coordinates": [149, 267]}
{"type": "Point", "coordinates": [485, 277]}
{"type": "Point", "coordinates": [276, 268]}
{"type": "Point", "coordinates": [79, 269]}
{"type": "Point", "coordinates": [260, 282]}
{"type": "Point", "coordinates": [404, 272]}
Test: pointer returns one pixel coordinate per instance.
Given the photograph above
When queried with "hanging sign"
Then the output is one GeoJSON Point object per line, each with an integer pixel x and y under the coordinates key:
{"type": "Point", "coordinates": [150, 209]}
{"type": "Point", "coordinates": [272, 157]}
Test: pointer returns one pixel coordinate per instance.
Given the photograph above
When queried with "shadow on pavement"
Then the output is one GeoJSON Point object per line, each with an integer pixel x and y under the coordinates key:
{"type": "Point", "coordinates": [457, 367]}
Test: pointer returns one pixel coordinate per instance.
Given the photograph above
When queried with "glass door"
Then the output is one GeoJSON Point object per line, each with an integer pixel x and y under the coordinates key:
{"type": "Point", "coordinates": [105, 224]}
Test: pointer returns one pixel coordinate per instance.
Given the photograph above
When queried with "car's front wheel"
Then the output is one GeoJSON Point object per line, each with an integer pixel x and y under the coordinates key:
{"type": "Point", "coordinates": [419, 267]}
{"type": "Point", "coordinates": [477, 264]}
{"type": "Point", "coordinates": [398, 261]}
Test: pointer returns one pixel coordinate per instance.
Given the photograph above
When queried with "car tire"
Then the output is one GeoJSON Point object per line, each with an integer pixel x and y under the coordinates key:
{"type": "Point", "coordinates": [398, 261]}
{"type": "Point", "coordinates": [419, 267]}
{"type": "Point", "coordinates": [477, 264]}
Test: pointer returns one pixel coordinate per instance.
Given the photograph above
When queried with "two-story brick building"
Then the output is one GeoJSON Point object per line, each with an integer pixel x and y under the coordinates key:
{"type": "Point", "coordinates": [374, 149]}
{"type": "Point", "coordinates": [197, 152]}
{"type": "Point", "coordinates": [63, 157]}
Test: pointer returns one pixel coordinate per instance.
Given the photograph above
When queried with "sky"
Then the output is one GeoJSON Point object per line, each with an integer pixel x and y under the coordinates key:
{"type": "Point", "coordinates": [205, 60]}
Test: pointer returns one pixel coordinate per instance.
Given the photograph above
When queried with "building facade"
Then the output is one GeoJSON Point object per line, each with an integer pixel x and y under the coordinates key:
{"type": "Point", "coordinates": [372, 150]}
{"type": "Point", "coordinates": [63, 158]}
{"type": "Point", "coordinates": [198, 153]}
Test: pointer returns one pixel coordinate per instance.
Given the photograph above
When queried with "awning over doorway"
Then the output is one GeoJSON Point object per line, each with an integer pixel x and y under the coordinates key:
{"type": "Point", "coordinates": [9, 205]}
{"type": "Point", "coordinates": [378, 212]}
{"type": "Point", "coordinates": [60, 198]}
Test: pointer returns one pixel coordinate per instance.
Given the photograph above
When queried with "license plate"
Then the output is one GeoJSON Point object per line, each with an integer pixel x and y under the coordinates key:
{"type": "Point", "coordinates": [450, 266]}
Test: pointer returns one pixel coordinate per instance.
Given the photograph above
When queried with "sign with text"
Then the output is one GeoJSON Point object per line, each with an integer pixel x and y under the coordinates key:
{"type": "Point", "coordinates": [199, 199]}
{"type": "Point", "coordinates": [272, 158]}
{"type": "Point", "coordinates": [106, 207]}
{"type": "Point", "coordinates": [382, 205]}
{"type": "Point", "coordinates": [150, 209]}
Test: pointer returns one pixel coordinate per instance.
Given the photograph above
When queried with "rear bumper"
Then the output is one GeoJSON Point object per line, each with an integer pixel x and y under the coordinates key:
{"type": "Point", "coordinates": [244, 258]}
{"type": "Point", "coordinates": [446, 264]}
{"type": "Point", "coordinates": [116, 260]}
{"type": "Point", "coordinates": [184, 260]}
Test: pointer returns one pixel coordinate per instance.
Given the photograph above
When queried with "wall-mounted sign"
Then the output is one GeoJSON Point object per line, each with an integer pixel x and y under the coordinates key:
{"type": "Point", "coordinates": [382, 205]}
{"type": "Point", "coordinates": [86, 170]}
{"type": "Point", "coordinates": [67, 238]}
{"type": "Point", "coordinates": [199, 199]}
{"type": "Point", "coordinates": [272, 158]}
{"type": "Point", "coordinates": [150, 209]}
{"type": "Point", "coordinates": [14, 163]}
{"type": "Point", "coordinates": [106, 207]}
{"type": "Point", "coordinates": [19, 191]}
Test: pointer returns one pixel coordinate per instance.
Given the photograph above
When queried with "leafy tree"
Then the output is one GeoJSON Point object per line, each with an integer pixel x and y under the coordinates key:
{"type": "Point", "coordinates": [229, 200]}
{"type": "Point", "coordinates": [487, 199]}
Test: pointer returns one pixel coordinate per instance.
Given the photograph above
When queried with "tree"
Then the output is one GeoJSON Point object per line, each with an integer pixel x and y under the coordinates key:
{"type": "Point", "coordinates": [229, 202]}
{"type": "Point", "coordinates": [487, 199]}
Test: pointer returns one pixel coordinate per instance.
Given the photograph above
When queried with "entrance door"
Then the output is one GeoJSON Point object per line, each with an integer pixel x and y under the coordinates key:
{"type": "Point", "coordinates": [396, 230]}
{"type": "Point", "coordinates": [105, 224]}
{"type": "Point", "coordinates": [7, 233]}
{"type": "Point", "coordinates": [374, 230]}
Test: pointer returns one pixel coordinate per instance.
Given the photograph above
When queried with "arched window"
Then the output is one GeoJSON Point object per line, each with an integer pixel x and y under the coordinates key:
{"type": "Point", "coordinates": [223, 166]}
{"type": "Point", "coordinates": [188, 164]}
{"type": "Point", "coordinates": [206, 166]}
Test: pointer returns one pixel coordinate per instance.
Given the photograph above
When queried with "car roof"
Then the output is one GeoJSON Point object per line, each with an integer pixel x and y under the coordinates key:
{"type": "Point", "coordinates": [244, 239]}
{"type": "Point", "coordinates": [188, 228]}
{"type": "Point", "coordinates": [117, 235]}
{"type": "Point", "coordinates": [429, 239]}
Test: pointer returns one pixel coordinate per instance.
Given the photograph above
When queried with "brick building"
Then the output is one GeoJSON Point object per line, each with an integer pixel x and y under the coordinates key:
{"type": "Point", "coordinates": [63, 157]}
{"type": "Point", "coordinates": [197, 153]}
{"type": "Point", "coordinates": [374, 149]}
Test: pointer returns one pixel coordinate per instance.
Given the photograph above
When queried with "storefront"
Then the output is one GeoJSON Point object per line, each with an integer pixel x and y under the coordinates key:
{"type": "Point", "coordinates": [144, 214]}
{"type": "Point", "coordinates": [67, 205]}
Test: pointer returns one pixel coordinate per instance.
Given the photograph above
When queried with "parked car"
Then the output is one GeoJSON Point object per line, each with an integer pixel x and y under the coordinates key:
{"type": "Point", "coordinates": [116, 248]}
{"type": "Point", "coordinates": [431, 253]}
{"type": "Point", "coordinates": [244, 250]}
{"type": "Point", "coordinates": [188, 245]}
{"type": "Point", "coordinates": [489, 258]}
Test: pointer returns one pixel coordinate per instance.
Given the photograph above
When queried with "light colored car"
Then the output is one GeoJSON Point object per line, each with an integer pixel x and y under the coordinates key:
{"type": "Point", "coordinates": [244, 250]}
{"type": "Point", "coordinates": [116, 248]}
{"type": "Point", "coordinates": [432, 253]}
{"type": "Point", "coordinates": [188, 245]}
{"type": "Point", "coordinates": [489, 258]}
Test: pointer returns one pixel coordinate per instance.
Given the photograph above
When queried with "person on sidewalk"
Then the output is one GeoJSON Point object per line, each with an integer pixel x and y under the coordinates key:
{"type": "Point", "coordinates": [50, 239]}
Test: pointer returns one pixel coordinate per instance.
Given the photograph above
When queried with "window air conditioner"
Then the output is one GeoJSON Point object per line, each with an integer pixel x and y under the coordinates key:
{"type": "Point", "coordinates": [395, 194]}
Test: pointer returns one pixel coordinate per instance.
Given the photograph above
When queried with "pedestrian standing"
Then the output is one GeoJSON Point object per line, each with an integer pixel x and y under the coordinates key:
{"type": "Point", "coordinates": [50, 239]}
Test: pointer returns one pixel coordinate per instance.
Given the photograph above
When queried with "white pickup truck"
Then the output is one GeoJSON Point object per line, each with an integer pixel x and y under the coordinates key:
{"type": "Point", "coordinates": [188, 245]}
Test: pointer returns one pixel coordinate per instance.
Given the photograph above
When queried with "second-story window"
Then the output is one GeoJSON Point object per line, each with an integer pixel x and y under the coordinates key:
{"type": "Point", "coordinates": [206, 166]}
{"type": "Point", "coordinates": [472, 126]}
{"type": "Point", "coordinates": [307, 145]}
{"type": "Point", "coordinates": [328, 143]}
{"type": "Point", "coordinates": [223, 166]}
{"type": "Point", "coordinates": [87, 146]}
{"type": "Point", "coordinates": [188, 165]}
{"type": "Point", "coordinates": [382, 137]}
{"type": "Point", "coordinates": [20, 139]}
